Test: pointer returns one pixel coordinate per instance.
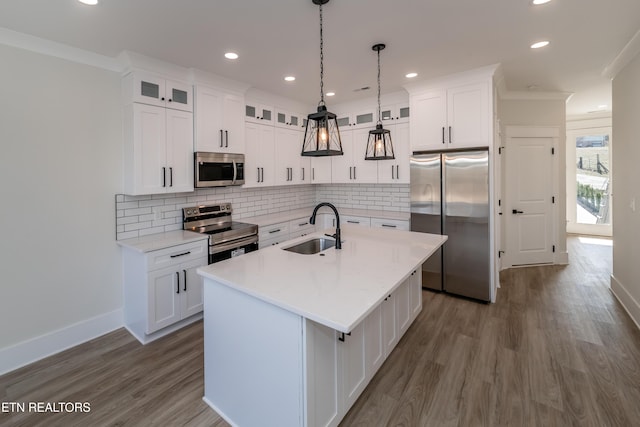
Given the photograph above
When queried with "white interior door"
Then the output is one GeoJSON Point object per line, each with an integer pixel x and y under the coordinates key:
{"type": "Point", "coordinates": [529, 194]}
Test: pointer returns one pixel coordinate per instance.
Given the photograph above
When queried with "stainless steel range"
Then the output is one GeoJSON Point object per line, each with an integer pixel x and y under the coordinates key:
{"type": "Point", "coordinates": [227, 238]}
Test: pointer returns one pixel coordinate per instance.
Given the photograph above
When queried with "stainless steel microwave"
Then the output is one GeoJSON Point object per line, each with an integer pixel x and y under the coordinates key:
{"type": "Point", "coordinates": [218, 169]}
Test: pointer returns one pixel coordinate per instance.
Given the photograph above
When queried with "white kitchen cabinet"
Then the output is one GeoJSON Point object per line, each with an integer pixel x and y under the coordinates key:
{"type": "Point", "coordinates": [352, 167]}
{"type": "Point", "coordinates": [395, 113]}
{"type": "Point", "coordinates": [396, 171]}
{"type": "Point", "coordinates": [300, 227]}
{"type": "Point", "coordinates": [374, 345]}
{"type": "Point", "coordinates": [415, 290]}
{"type": "Point", "coordinates": [158, 150]}
{"type": "Point", "coordinates": [291, 167]}
{"type": "Point", "coordinates": [290, 120]}
{"type": "Point", "coordinates": [153, 89]}
{"type": "Point", "coordinates": [456, 116]}
{"type": "Point", "coordinates": [273, 234]}
{"type": "Point", "coordinates": [259, 166]}
{"type": "Point", "coordinates": [257, 112]}
{"type": "Point", "coordinates": [403, 306]}
{"type": "Point", "coordinates": [358, 119]}
{"type": "Point", "coordinates": [395, 224]}
{"type": "Point", "coordinates": [219, 121]}
{"type": "Point", "coordinates": [321, 169]}
{"type": "Point", "coordinates": [390, 328]}
{"type": "Point", "coordinates": [353, 364]}
{"type": "Point", "coordinates": [162, 289]}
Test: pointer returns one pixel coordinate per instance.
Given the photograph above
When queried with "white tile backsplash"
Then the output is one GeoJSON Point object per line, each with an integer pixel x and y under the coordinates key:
{"type": "Point", "coordinates": [142, 215]}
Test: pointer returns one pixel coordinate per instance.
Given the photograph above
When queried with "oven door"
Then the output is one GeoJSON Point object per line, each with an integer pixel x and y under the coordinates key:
{"type": "Point", "coordinates": [218, 169]}
{"type": "Point", "coordinates": [232, 249]}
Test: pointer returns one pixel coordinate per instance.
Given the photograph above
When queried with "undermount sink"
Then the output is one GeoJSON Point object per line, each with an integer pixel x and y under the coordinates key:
{"type": "Point", "coordinates": [313, 246]}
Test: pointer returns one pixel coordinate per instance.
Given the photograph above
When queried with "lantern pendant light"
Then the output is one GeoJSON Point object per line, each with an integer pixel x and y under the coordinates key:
{"type": "Point", "coordinates": [322, 136]}
{"type": "Point", "coordinates": [379, 145]}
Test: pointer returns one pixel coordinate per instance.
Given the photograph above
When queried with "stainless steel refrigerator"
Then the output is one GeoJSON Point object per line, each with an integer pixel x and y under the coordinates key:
{"type": "Point", "coordinates": [450, 195]}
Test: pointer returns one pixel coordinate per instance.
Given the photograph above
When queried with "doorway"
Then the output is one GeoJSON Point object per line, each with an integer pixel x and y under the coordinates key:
{"type": "Point", "coordinates": [589, 186]}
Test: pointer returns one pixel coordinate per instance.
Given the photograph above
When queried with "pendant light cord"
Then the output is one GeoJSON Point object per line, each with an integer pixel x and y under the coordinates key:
{"type": "Point", "coordinates": [379, 108]}
{"type": "Point", "coordinates": [321, 61]}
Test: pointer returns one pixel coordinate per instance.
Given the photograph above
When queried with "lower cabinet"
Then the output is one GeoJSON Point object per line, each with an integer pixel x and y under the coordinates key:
{"type": "Point", "coordinates": [162, 289]}
{"type": "Point", "coordinates": [339, 365]}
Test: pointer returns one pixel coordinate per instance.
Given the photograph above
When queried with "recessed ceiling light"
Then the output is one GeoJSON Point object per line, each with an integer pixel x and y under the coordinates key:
{"type": "Point", "coordinates": [231, 55]}
{"type": "Point", "coordinates": [538, 45]}
{"type": "Point", "coordinates": [289, 78]}
{"type": "Point", "coordinates": [537, 2]}
{"type": "Point", "coordinates": [330, 93]}
{"type": "Point", "coordinates": [411, 75]}
{"type": "Point", "coordinates": [89, 2]}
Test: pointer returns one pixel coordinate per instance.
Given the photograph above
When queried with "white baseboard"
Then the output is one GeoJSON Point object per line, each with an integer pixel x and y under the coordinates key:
{"type": "Point", "coordinates": [21, 354]}
{"type": "Point", "coordinates": [626, 299]}
{"type": "Point", "coordinates": [561, 258]}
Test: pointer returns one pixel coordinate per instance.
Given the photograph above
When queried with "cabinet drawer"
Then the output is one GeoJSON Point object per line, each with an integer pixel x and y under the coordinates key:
{"type": "Point", "coordinates": [395, 224]}
{"type": "Point", "coordinates": [265, 243]}
{"type": "Point", "coordinates": [176, 255]}
{"type": "Point", "coordinates": [274, 231]}
{"type": "Point", "coordinates": [300, 227]}
{"type": "Point", "coordinates": [356, 220]}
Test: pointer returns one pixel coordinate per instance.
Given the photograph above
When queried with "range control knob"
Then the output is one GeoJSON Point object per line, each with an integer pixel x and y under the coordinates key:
{"type": "Point", "coordinates": [228, 207]}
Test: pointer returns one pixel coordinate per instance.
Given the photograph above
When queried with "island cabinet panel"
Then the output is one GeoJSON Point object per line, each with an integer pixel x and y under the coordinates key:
{"type": "Point", "coordinates": [322, 374]}
{"type": "Point", "coordinates": [354, 378]}
{"type": "Point", "coordinates": [253, 359]}
{"type": "Point", "coordinates": [374, 351]}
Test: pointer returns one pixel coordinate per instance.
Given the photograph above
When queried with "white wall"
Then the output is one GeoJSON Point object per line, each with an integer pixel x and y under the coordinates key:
{"type": "Point", "coordinates": [60, 167]}
{"type": "Point", "coordinates": [625, 281]}
{"type": "Point", "coordinates": [542, 112]}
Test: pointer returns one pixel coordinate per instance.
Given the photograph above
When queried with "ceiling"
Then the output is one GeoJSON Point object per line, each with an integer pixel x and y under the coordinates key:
{"type": "Point", "coordinates": [281, 37]}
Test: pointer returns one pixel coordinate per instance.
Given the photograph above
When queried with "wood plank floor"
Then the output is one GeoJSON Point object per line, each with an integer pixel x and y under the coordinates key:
{"type": "Point", "coordinates": [556, 349]}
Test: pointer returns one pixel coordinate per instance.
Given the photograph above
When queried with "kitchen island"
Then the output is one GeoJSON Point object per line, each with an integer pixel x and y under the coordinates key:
{"type": "Point", "coordinates": [293, 339]}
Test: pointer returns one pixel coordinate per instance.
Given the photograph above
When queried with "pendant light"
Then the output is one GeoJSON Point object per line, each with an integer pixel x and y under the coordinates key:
{"type": "Point", "coordinates": [379, 145]}
{"type": "Point", "coordinates": [322, 136]}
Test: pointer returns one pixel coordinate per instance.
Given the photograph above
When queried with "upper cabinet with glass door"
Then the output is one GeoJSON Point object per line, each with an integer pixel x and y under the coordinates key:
{"type": "Point", "coordinates": [395, 113]}
{"type": "Point", "coordinates": [259, 113]}
{"type": "Point", "coordinates": [360, 119]}
{"type": "Point", "coordinates": [290, 120]}
{"type": "Point", "coordinates": [151, 89]}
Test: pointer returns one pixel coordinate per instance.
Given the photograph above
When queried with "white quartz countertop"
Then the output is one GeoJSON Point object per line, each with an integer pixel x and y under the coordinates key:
{"type": "Point", "coordinates": [264, 220]}
{"type": "Point", "coordinates": [154, 242]}
{"type": "Point", "coordinates": [338, 288]}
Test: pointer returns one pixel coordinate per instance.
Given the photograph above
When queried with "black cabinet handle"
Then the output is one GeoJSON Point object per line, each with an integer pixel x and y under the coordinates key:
{"type": "Point", "coordinates": [170, 99]}
{"type": "Point", "coordinates": [515, 211]}
{"type": "Point", "coordinates": [162, 99]}
{"type": "Point", "coordinates": [226, 138]}
{"type": "Point", "coordinates": [178, 282]}
{"type": "Point", "coordinates": [443, 134]}
{"type": "Point", "coordinates": [450, 141]}
{"type": "Point", "coordinates": [303, 174]}
{"type": "Point", "coordinates": [170, 177]}
{"type": "Point", "coordinates": [274, 231]}
{"type": "Point", "coordinates": [353, 222]}
{"type": "Point", "coordinates": [185, 280]}
{"type": "Point", "coordinates": [354, 172]}
{"type": "Point", "coordinates": [221, 139]}
{"type": "Point", "coordinates": [398, 172]}
{"type": "Point", "coordinates": [182, 254]}
{"type": "Point", "coordinates": [341, 336]}
{"type": "Point", "coordinates": [389, 225]}
{"type": "Point", "coordinates": [303, 224]}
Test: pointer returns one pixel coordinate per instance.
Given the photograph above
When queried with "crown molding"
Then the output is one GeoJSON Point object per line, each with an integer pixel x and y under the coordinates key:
{"type": "Point", "coordinates": [58, 50]}
{"type": "Point", "coordinates": [626, 55]}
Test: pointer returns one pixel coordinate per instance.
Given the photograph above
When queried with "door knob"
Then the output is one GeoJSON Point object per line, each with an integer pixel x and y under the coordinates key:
{"type": "Point", "coordinates": [515, 211]}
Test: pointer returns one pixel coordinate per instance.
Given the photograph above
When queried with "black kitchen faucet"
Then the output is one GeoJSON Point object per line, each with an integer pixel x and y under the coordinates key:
{"type": "Point", "coordinates": [312, 220]}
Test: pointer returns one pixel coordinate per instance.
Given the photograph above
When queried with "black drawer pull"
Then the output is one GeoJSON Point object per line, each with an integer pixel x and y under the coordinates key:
{"type": "Point", "coordinates": [182, 254]}
{"type": "Point", "coordinates": [274, 231]}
